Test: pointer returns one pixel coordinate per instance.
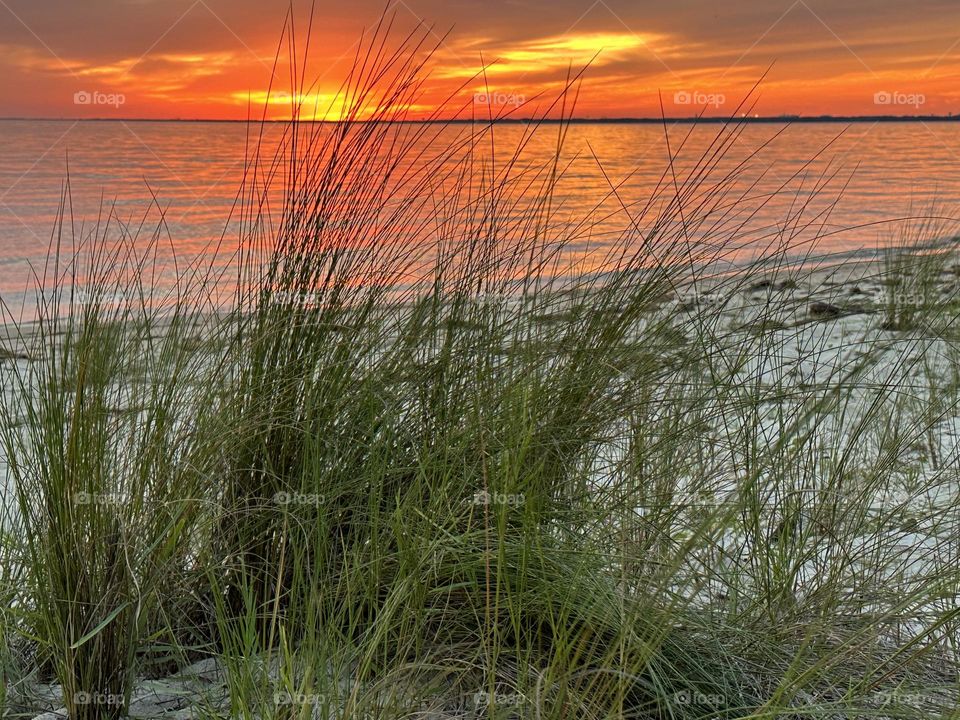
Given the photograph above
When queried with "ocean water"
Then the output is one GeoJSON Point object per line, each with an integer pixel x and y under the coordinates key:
{"type": "Point", "coordinates": [825, 187]}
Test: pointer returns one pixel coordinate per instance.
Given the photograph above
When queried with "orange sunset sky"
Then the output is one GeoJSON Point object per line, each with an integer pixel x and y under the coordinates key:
{"type": "Point", "coordinates": [207, 58]}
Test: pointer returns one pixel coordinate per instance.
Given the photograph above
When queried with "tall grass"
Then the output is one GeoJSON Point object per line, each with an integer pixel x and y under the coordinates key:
{"type": "Point", "coordinates": [445, 452]}
{"type": "Point", "coordinates": [99, 429]}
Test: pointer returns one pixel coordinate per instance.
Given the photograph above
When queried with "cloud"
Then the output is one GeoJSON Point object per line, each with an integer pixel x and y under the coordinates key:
{"type": "Point", "coordinates": [205, 54]}
{"type": "Point", "coordinates": [538, 56]}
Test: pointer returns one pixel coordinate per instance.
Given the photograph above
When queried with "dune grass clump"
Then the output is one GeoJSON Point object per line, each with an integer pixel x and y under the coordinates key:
{"type": "Point", "coordinates": [418, 460]}
{"type": "Point", "coordinates": [99, 430]}
{"type": "Point", "coordinates": [445, 452]}
{"type": "Point", "coordinates": [915, 265]}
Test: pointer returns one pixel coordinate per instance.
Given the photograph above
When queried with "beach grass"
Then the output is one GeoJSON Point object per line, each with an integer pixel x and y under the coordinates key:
{"type": "Point", "coordinates": [444, 453]}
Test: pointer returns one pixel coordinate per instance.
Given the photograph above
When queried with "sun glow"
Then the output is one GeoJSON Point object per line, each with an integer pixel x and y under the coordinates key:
{"type": "Point", "coordinates": [320, 106]}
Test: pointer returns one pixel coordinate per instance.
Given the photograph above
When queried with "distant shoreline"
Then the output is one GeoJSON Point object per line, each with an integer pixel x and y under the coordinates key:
{"type": "Point", "coordinates": [780, 119]}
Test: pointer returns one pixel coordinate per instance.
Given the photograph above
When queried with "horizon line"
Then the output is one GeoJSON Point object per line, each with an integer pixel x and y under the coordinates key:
{"type": "Point", "coordinates": [784, 118]}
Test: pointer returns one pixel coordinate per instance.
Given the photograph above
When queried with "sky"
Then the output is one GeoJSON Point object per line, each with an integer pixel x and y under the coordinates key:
{"type": "Point", "coordinates": [214, 59]}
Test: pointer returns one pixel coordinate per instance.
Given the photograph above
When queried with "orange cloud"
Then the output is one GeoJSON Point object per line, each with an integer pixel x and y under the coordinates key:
{"type": "Point", "coordinates": [214, 60]}
{"type": "Point", "coordinates": [545, 54]}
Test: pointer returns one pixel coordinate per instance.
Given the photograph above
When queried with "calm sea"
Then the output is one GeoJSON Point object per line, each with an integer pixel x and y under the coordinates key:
{"type": "Point", "coordinates": [849, 179]}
